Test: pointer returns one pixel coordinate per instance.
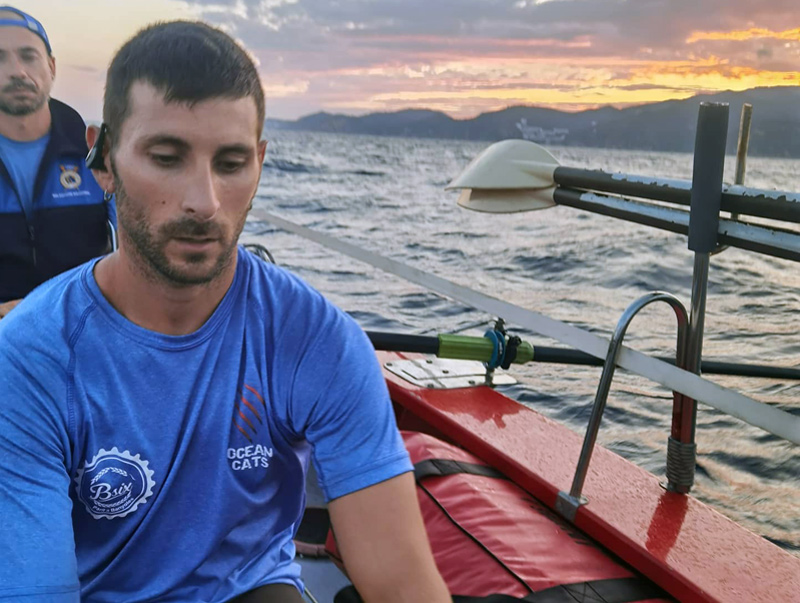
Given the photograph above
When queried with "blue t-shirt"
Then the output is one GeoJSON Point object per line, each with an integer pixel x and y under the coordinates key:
{"type": "Point", "coordinates": [137, 466]}
{"type": "Point", "coordinates": [22, 160]}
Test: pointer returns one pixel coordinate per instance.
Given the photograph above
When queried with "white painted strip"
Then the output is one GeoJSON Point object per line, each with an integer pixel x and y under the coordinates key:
{"type": "Point", "coordinates": [789, 241]}
{"type": "Point", "coordinates": [773, 420]}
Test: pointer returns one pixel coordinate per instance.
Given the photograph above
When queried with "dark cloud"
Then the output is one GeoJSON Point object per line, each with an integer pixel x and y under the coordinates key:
{"type": "Point", "coordinates": [611, 24]}
{"type": "Point", "coordinates": [339, 30]}
{"type": "Point", "coordinates": [338, 49]}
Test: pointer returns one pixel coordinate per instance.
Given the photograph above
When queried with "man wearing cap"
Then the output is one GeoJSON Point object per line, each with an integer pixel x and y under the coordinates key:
{"type": "Point", "coordinates": [53, 215]}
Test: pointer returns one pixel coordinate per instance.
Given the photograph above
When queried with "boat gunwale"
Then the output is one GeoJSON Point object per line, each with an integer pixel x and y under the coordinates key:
{"type": "Point", "coordinates": [686, 547]}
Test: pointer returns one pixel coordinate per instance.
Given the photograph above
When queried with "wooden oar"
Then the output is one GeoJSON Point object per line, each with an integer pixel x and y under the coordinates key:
{"type": "Point", "coordinates": [464, 347]}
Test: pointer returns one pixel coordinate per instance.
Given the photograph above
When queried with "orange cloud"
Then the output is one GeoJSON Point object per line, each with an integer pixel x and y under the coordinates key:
{"type": "Point", "coordinates": [745, 34]}
{"type": "Point", "coordinates": [439, 42]}
{"type": "Point", "coordinates": [709, 74]}
{"type": "Point", "coordinates": [464, 89]}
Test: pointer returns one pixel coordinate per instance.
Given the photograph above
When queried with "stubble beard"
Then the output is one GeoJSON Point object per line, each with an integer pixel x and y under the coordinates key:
{"type": "Point", "coordinates": [148, 248]}
{"type": "Point", "coordinates": [20, 108]}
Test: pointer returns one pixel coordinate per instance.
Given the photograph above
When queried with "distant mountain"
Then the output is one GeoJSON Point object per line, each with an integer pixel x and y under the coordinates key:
{"type": "Point", "coordinates": [665, 126]}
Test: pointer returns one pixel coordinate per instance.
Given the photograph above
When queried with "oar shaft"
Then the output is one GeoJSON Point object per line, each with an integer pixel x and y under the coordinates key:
{"type": "Point", "coordinates": [735, 199]}
{"type": "Point", "coordinates": [709, 367]}
{"type": "Point", "coordinates": [464, 347]}
{"type": "Point", "coordinates": [399, 342]}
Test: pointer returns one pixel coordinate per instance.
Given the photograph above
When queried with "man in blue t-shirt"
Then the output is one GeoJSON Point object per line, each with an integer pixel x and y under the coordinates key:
{"type": "Point", "coordinates": [53, 215]}
{"type": "Point", "coordinates": [159, 406]}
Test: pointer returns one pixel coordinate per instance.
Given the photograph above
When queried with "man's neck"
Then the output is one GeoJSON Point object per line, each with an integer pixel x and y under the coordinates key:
{"type": "Point", "coordinates": [24, 128]}
{"type": "Point", "coordinates": [154, 305]}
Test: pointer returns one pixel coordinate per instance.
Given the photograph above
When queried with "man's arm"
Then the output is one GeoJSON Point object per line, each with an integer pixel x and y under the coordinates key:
{"type": "Point", "coordinates": [339, 402]}
{"type": "Point", "coordinates": [382, 539]}
{"type": "Point", "coordinates": [6, 307]}
{"type": "Point", "coordinates": [37, 549]}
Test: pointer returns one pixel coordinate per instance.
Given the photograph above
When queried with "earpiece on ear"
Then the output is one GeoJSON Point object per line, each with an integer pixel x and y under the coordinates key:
{"type": "Point", "coordinates": [94, 160]}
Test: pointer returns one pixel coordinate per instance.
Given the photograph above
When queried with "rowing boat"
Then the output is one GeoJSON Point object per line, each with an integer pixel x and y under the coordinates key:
{"type": "Point", "coordinates": [586, 507]}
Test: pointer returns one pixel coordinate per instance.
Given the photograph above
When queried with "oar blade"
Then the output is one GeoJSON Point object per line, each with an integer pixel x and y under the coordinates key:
{"type": "Point", "coordinates": [509, 176]}
{"type": "Point", "coordinates": [497, 201]}
{"type": "Point", "coordinates": [509, 164]}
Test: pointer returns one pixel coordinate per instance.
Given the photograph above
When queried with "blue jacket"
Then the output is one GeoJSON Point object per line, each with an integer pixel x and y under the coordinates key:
{"type": "Point", "coordinates": [69, 222]}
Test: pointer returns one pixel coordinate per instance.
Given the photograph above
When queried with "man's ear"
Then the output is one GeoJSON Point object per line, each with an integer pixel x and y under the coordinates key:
{"type": "Point", "coordinates": [262, 151]}
{"type": "Point", "coordinates": [98, 156]}
{"type": "Point", "coordinates": [51, 60]}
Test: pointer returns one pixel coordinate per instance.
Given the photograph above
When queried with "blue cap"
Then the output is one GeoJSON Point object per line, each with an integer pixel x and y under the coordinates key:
{"type": "Point", "coordinates": [27, 22]}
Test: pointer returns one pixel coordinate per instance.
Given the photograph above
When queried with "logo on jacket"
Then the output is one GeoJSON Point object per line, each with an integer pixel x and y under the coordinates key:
{"type": "Point", "coordinates": [70, 178]}
{"type": "Point", "coordinates": [114, 484]}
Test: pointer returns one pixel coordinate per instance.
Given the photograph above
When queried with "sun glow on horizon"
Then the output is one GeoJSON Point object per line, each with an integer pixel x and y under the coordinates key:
{"type": "Point", "coordinates": [486, 64]}
{"type": "Point", "coordinates": [464, 90]}
{"type": "Point", "coordinates": [743, 35]}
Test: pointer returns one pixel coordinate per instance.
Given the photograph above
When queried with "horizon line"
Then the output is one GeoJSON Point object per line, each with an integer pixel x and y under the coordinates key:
{"type": "Point", "coordinates": [584, 109]}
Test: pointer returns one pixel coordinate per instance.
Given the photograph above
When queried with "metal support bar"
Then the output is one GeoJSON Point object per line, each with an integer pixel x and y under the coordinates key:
{"type": "Point", "coordinates": [744, 142]}
{"type": "Point", "coordinates": [736, 198]}
{"type": "Point", "coordinates": [709, 165]}
{"type": "Point", "coordinates": [741, 158]}
{"type": "Point", "coordinates": [567, 504]}
{"type": "Point", "coordinates": [777, 242]}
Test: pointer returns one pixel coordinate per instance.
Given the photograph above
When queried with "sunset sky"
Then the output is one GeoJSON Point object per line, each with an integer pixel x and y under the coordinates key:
{"type": "Point", "coordinates": [463, 57]}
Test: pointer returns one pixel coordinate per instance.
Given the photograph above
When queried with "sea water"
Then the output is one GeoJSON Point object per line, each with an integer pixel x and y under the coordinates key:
{"type": "Point", "coordinates": [387, 196]}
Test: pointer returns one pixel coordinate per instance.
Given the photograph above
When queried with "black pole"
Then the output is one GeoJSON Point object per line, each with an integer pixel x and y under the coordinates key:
{"type": "Point", "coordinates": [709, 164]}
{"type": "Point", "coordinates": [398, 342]}
{"type": "Point", "coordinates": [735, 199]}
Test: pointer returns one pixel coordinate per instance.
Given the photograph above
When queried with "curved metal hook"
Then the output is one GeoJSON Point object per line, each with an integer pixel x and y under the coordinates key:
{"type": "Point", "coordinates": [567, 504]}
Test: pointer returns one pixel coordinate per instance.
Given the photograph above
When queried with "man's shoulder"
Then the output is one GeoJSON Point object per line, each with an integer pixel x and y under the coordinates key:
{"type": "Point", "coordinates": [296, 308]}
{"type": "Point", "coordinates": [49, 314]}
{"type": "Point", "coordinates": [279, 288]}
{"type": "Point", "coordinates": [65, 114]}
{"type": "Point", "coordinates": [278, 279]}
{"type": "Point", "coordinates": [68, 125]}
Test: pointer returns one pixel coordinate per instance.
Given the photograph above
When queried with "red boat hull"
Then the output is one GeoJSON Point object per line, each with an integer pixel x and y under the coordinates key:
{"type": "Point", "coordinates": [684, 546]}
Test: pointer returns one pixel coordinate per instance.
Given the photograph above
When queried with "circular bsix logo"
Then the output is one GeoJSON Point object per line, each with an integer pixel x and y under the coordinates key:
{"type": "Point", "coordinates": [114, 483]}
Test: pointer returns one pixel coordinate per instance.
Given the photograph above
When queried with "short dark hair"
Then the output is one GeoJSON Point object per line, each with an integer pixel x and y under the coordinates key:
{"type": "Point", "coordinates": [188, 61]}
